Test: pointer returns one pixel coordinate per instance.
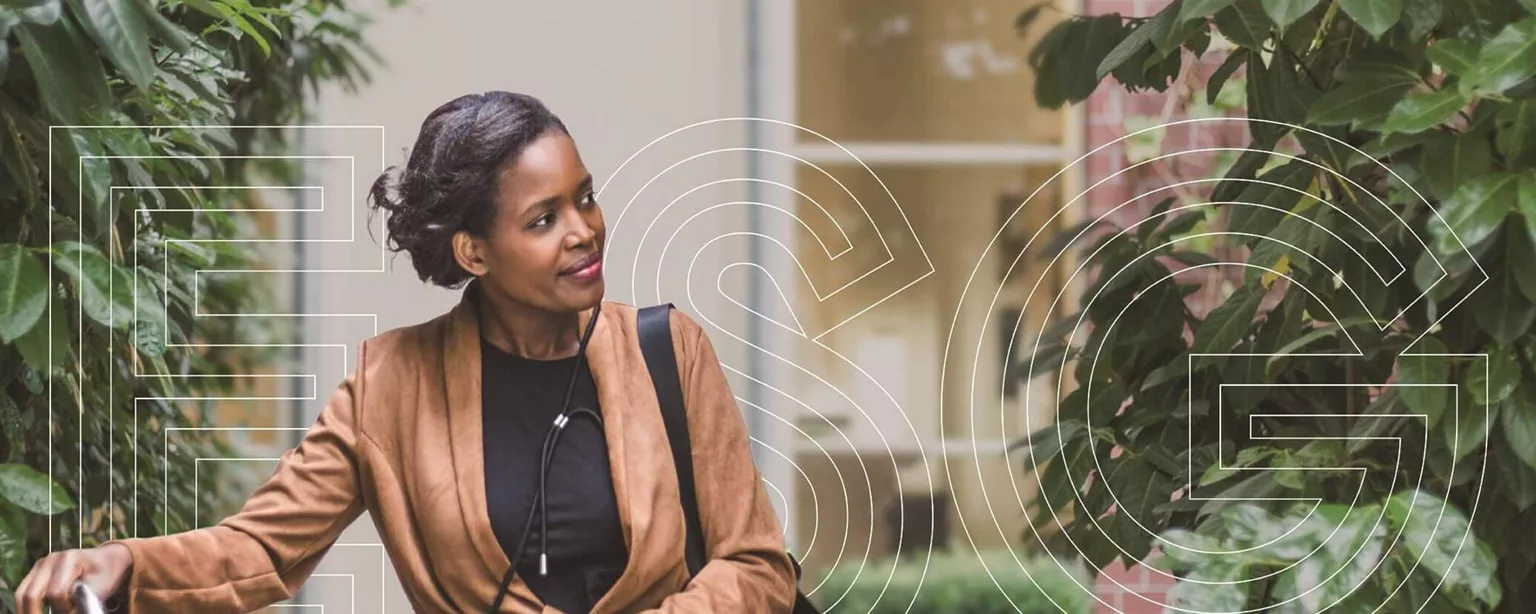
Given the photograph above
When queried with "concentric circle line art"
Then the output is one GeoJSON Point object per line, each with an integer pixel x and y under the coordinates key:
{"type": "Point", "coordinates": [1315, 501]}
{"type": "Point", "coordinates": [835, 224]}
{"type": "Point", "coordinates": [1089, 259]}
{"type": "Point", "coordinates": [816, 520]}
{"type": "Point", "coordinates": [1080, 195]}
{"type": "Point", "coordinates": [856, 201]}
{"type": "Point", "coordinates": [842, 484]}
{"type": "Point", "coordinates": [890, 256]}
{"type": "Point", "coordinates": [138, 400]}
{"type": "Point", "coordinates": [1109, 489]}
{"type": "Point", "coordinates": [798, 329]}
{"type": "Point", "coordinates": [111, 190]}
{"type": "Point", "coordinates": [1018, 496]}
{"type": "Point", "coordinates": [165, 275]}
{"type": "Point", "coordinates": [111, 196]}
{"type": "Point", "coordinates": [1089, 384]}
{"type": "Point", "coordinates": [847, 499]}
{"type": "Point", "coordinates": [774, 494]}
{"type": "Point", "coordinates": [196, 468]}
{"type": "Point", "coordinates": [901, 411]}
{"type": "Point", "coordinates": [351, 584]}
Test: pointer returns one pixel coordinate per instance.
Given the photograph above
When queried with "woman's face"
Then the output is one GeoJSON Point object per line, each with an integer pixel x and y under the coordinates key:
{"type": "Point", "coordinates": [545, 246]}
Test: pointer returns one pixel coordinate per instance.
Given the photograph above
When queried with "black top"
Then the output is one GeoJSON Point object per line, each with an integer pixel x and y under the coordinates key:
{"type": "Point", "coordinates": [520, 399]}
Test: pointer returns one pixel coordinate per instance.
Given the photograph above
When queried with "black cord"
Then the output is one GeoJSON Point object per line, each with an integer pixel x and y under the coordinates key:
{"type": "Point", "coordinates": [551, 438]}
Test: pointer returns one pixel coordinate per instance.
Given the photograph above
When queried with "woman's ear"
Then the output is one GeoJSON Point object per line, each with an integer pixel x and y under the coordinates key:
{"type": "Point", "coordinates": [467, 251]}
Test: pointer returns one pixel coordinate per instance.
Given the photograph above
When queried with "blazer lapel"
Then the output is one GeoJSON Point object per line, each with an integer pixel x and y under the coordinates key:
{"type": "Point", "coordinates": [461, 377]}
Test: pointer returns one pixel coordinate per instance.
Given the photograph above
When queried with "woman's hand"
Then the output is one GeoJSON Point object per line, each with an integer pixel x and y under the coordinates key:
{"type": "Point", "coordinates": [103, 569]}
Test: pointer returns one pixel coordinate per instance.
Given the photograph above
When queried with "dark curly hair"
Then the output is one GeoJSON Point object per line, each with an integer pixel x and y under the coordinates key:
{"type": "Point", "coordinates": [450, 181]}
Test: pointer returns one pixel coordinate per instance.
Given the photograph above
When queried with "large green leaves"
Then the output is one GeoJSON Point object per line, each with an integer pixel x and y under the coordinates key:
{"type": "Point", "coordinates": [1420, 113]}
{"type": "Point", "coordinates": [1500, 308]}
{"type": "Point", "coordinates": [13, 545]}
{"type": "Point", "coordinates": [1226, 324]}
{"type": "Point", "coordinates": [1245, 24]}
{"type": "Point", "coordinates": [105, 289]}
{"type": "Point", "coordinates": [27, 489]}
{"type": "Point", "coordinates": [1283, 12]}
{"type": "Point", "coordinates": [1455, 56]}
{"type": "Point", "coordinates": [1376, 16]}
{"type": "Point", "coordinates": [1431, 371]}
{"type": "Point", "coordinates": [1074, 43]}
{"type": "Point", "coordinates": [73, 79]}
{"type": "Point", "coordinates": [118, 28]}
{"type": "Point", "coordinates": [23, 291]}
{"type": "Point", "coordinates": [1474, 211]}
{"type": "Point", "coordinates": [1434, 532]}
{"type": "Point", "coordinates": [1507, 59]}
{"type": "Point", "coordinates": [1518, 419]}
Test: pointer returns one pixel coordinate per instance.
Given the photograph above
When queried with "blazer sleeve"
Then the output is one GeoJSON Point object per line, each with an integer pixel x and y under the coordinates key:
{"type": "Point", "coordinates": [264, 553]}
{"type": "Point", "coordinates": [746, 568]}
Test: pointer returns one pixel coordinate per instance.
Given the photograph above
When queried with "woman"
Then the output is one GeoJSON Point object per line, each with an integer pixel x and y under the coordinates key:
{"type": "Point", "coordinates": [438, 435]}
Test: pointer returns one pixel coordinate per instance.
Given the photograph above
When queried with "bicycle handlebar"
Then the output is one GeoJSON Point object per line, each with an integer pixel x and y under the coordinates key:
{"type": "Point", "coordinates": [86, 601]}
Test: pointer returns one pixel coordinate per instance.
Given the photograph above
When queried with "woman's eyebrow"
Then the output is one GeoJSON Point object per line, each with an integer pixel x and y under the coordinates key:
{"type": "Point", "coordinates": [586, 184]}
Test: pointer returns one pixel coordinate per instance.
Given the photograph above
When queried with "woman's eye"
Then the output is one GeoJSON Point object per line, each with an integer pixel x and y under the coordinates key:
{"type": "Point", "coordinates": [589, 199]}
{"type": "Point", "coordinates": [544, 220]}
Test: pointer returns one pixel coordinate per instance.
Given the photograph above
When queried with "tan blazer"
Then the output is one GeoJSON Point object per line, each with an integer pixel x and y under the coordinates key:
{"type": "Point", "coordinates": [401, 439]}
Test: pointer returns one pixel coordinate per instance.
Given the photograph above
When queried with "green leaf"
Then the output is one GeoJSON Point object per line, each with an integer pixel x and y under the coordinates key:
{"type": "Point", "coordinates": [1086, 42]}
{"type": "Point", "coordinates": [1348, 547]}
{"type": "Point", "coordinates": [1431, 400]}
{"type": "Point", "coordinates": [1451, 161]}
{"type": "Point", "coordinates": [1515, 130]}
{"type": "Point", "coordinates": [1518, 418]}
{"type": "Point", "coordinates": [22, 4]}
{"type": "Point", "coordinates": [23, 291]}
{"type": "Point", "coordinates": [1474, 211]}
{"type": "Point", "coordinates": [1375, 16]}
{"type": "Point", "coordinates": [1283, 12]}
{"type": "Point", "coordinates": [1453, 55]}
{"type": "Point", "coordinates": [1226, 324]}
{"type": "Point", "coordinates": [1522, 248]}
{"type": "Point", "coordinates": [1425, 111]}
{"type": "Point", "coordinates": [1506, 59]}
{"type": "Point", "coordinates": [30, 490]}
{"type": "Point", "coordinates": [173, 35]}
{"type": "Point", "coordinates": [119, 30]}
{"type": "Point", "coordinates": [1492, 378]}
{"type": "Point", "coordinates": [34, 345]}
{"type": "Point", "coordinates": [13, 545]}
{"type": "Point", "coordinates": [1194, 9]}
{"type": "Point", "coordinates": [1245, 24]}
{"type": "Point", "coordinates": [44, 13]}
{"type": "Point", "coordinates": [1218, 79]}
{"type": "Point", "coordinates": [1434, 532]}
{"type": "Point", "coordinates": [1359, 99]}
{"type": "Point", "coordinates": [1126, 49]}
{"type": "Point", "coordinates": [1500, 308]}
{"type": "Point", "coordinates": [1421, 16]}
{"type": "Point", "coordinates": [1471, 427]}
{"type": "Point", "coordinates": [60, 49]}
{"type": "Point", "coordinates": [105, 289]}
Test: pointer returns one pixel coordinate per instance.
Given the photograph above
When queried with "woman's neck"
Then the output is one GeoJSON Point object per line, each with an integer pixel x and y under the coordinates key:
{"type": "Point", "coordinates": [525, 331]}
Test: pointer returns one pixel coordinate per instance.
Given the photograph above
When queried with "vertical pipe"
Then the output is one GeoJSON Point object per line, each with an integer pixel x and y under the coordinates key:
{"type": "Point", "coordinates": [755, 140]}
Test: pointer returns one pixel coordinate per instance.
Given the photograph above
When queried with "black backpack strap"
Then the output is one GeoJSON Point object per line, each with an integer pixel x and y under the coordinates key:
{"type": "Point", "coordinates": [661, 360]}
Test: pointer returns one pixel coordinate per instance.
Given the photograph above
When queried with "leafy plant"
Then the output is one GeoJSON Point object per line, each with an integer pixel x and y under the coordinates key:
{"type": "Point", "coordinates": [952, 583]}
{"type": "Point", "coordinates": [111, 242]}
{"type": "Point", "coordinates": [1384, 136]}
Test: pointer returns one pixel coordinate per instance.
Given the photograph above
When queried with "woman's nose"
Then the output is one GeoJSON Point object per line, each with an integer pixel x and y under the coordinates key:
{"type": "Point", "coordinates": [581, 233]}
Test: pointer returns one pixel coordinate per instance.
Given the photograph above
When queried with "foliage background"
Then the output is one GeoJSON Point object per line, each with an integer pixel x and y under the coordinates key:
{"type": "Point", "coordinates": [1438, 91]}
{"type": "Point", "coordinates": [171, 78]}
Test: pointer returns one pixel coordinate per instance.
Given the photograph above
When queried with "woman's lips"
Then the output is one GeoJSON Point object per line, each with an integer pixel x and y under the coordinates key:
{"type": "Point", "coordinates": [589, 272]}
